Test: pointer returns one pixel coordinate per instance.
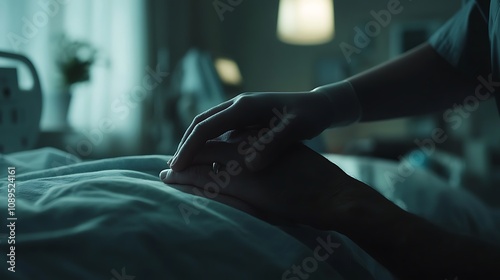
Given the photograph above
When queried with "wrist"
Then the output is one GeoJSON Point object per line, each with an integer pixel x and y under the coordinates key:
{"type": "Point", "coordinates": [345, 107]}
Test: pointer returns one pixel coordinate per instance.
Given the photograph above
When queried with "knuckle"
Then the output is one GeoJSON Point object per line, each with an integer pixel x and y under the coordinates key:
{"type": "Point", "coordinates": [244, 97]}
{"type": "Point", "coordinates": [244, 101]}
{"type": "Point", "coordinates": [200, 127]}
{"type": "Point", "coordinates": [199, 118]}
{"type": "Point", "coordinates": [245, 94]}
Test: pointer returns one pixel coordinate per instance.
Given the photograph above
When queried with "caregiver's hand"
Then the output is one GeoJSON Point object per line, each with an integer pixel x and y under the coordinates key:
{"type": "Point", "coordinates": [283, 119]}
{"type": "Point", "coordinates": [300, 187]}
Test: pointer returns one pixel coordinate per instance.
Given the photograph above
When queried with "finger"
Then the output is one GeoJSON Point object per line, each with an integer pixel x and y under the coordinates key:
{"type": "Point", "coordinates": [230, 180]}
{"type": "Point", "coordinates": [186, 181]}
{"type": "Point", "coordinates": [194, 180]}
{"type": "Point", "coordinates": [203, 116]}
{"type": "Point", "coordinates": [196, 175]}
{"type": "Point", "coordinates": [270, 144]}
{"type": "Point", "coordinates": [218, 151]}
{"type": "Point", "coordinates": [210, 128]}
{"type": "Point", "coordinates": [204, 178]}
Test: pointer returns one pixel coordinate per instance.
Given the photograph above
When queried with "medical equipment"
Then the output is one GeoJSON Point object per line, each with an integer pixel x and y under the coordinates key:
{"type": "Point", "coordinates": [20, 110]}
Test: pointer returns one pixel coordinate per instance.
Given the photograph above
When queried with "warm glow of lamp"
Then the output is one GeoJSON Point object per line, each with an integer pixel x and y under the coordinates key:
{"type": "Point", "coordinates": [228, 71]}
{"type": "Point", "coordinates": [306, 22]}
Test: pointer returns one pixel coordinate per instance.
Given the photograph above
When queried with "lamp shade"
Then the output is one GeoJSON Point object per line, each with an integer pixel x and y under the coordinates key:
{"type": "Point", "coordinates": [306, 22]}
{"type": "Point", "coordinates": [228, 71]}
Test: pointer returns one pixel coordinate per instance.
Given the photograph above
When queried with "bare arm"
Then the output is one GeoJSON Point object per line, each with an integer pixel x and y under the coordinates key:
{"type": "Point", "coordinates": [418, 82]}
{"type": "Point", "coordinates": [413, 248]}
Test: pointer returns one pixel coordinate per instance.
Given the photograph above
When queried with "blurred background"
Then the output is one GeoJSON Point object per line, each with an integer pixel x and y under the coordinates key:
{"type": "Point", "coordinates": [125, 77]}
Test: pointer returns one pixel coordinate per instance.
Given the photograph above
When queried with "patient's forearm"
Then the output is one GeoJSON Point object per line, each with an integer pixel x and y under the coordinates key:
{"type": "Point", "coordinates": [416, 249]}
{"type": "Point", "coordinates": [413, 248]}
{"type": "Point", "coordinates": [418, 82]}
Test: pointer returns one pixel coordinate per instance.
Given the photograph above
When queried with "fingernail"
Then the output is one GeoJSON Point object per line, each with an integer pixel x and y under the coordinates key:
{"type": "Point", "coordinates": [163, 174]}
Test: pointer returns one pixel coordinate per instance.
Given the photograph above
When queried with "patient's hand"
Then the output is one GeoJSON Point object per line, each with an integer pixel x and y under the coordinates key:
{"type": "Point", "coordinates": [303, 187]}
{"type": "Point", "coordinates": [300, 187]}
{"type": "Point", "coordinates": [286, 118]}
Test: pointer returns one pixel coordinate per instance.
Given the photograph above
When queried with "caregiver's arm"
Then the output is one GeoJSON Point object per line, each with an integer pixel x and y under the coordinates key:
{"type": "Point", "coordinates": [420, 81]}
{"type": "Point", "coordinates": [411, 247]}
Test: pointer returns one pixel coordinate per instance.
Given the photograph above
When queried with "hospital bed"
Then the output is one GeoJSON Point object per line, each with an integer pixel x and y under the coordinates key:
{"type": "Point", "coordinates": [114, 219]}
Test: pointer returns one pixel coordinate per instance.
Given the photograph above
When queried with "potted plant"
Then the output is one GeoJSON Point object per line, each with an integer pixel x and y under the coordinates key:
{"type": "Point", "coordinates": [74, 60]}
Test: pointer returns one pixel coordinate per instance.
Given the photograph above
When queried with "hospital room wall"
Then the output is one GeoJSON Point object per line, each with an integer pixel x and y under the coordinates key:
{"type": "Point", "coordinates": [116, 30]}
{"type": "Point", "coordinates": [248, 35]}
{"type": "Point", "coordinates": [169, 27]}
